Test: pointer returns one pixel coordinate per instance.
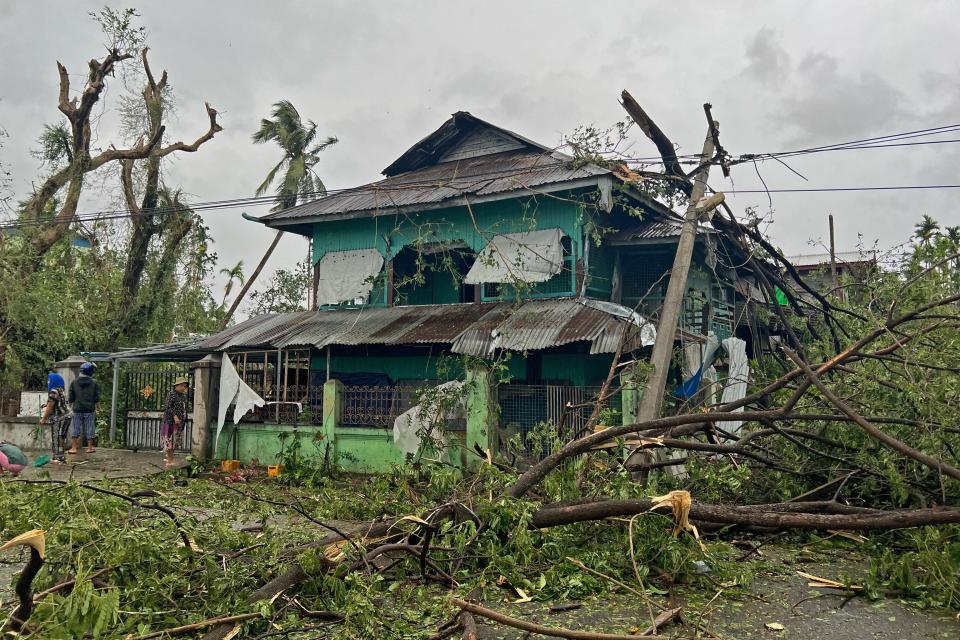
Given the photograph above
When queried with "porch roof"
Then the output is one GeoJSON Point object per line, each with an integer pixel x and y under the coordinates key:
{"type": "Point", "coordinates": [478, 329]}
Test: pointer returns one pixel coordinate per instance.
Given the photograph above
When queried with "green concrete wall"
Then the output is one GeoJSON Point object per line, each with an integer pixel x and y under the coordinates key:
{"type": "Point", "coordinates": [358, 449]}
{"type": "Point", "coordinates": [354, 449]}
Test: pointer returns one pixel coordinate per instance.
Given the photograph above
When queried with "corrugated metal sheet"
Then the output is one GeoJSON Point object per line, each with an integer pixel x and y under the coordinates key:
{"type": "Point", "coordinates": [473, 329]}
{"type": "Point", "coordinates": [652, 229]}
{"type": "Point", "coordinates": [480, 176]}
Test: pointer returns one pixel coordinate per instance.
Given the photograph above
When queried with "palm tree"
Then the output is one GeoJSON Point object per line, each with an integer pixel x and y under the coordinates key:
{"type": "Point", "coordinates": [925, 230]}
{"type": "Point", "coordinates": [953, 234]}
{"type": "Point", "coordinates": [301, 152]}
{"type": "Point", "coordinates": [234, 274]}
{"type": "Point", "coordinates": [300, 183]}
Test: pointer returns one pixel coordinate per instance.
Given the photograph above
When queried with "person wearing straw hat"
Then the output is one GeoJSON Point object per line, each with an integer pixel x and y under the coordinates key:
{"type": "Point", "coordinates": [174, 417]}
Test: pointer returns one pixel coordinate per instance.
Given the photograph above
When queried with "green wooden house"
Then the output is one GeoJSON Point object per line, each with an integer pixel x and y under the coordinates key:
{"type": "Point", "coordinates": [481, 255]}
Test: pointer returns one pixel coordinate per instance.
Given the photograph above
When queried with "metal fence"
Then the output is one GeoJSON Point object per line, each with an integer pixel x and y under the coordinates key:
{"type": "Point", "coordinates": [310, 411]}
{"type": "Point", "coordinates": [376, 406]}
{"type": "Point", "coordinates": [142, 431]}
{"type": "Point", "coordinates": [145, 389]}
{"type": "Point", "coordinates": [562, 412]}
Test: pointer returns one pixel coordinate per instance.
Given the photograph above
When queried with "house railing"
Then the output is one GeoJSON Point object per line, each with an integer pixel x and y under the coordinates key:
{"type": "Point", "coordinates": [375, 406]}
{"type": "Point", "coordinates": [310, 412]}
{"type": "Point", "coordinates": [541, 414]}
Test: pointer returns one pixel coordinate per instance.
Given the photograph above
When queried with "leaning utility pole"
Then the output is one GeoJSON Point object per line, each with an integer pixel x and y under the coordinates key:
{"type": "Point", "coordinates": [670, 312]}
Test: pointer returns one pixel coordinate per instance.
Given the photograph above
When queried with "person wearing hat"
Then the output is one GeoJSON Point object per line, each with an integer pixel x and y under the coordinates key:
{"type": "Point", "coordinates": [57, 414]}
{"type": "Point", "coordinates": [84, 396]}
{"type": "Point", "coordinates": [174, 417]}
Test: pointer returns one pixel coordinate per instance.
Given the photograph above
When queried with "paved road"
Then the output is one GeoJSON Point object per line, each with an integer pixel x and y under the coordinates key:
{"type": "Point", "coordinates": [103, 463]}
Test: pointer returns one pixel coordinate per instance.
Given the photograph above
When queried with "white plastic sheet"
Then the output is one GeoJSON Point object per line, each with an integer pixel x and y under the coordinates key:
{"type": "Point", "coordinates": [648, 331]}
{"type": "Point", "coordinates": [531, 256]}
{"type": "Point", "coordinates": [735, 387]}
{"type": "Point", "coordinates": [409, 425]}
{"type": "Point", "coordinates": [233, 390]}
{"type": "Point", "coordinates": [344, 276]}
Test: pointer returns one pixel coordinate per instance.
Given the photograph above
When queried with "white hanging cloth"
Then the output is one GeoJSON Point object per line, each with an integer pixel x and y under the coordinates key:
{"type": "Point", "coordinates": [531, 256]}
{"type": "Point", "coordinates": [345, 276]}
{"type": "Point", "coordinates": [233, 390]}
{"type": "Point", "coordinates": [735, 387]}
{"type": "Point", "coordinates": [410, 425]}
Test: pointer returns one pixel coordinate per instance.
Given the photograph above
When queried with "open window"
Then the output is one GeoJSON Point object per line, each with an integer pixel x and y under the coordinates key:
{"type": "Point", "coordinates": [432, 274]}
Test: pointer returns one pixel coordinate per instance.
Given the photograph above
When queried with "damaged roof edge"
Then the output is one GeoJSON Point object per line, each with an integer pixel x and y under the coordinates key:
{"type": "Point", "coordinates": [456, 201]}
{"type": "Point", "coordinates": [432, 146]}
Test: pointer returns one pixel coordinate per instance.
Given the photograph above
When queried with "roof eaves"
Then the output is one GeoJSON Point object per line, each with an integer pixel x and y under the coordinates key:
{"type": "Point", "coordinates": [442, 204]}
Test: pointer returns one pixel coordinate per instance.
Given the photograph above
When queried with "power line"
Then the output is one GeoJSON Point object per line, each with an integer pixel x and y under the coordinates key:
{"type": "Point", "coordinates": [465, 182]}
{"type": "Point", "coordinates": [889, 140]}
{"type": "Point", "coordinates": [863, 143]}
{"type": "Point", "coordinates": [831, 189]}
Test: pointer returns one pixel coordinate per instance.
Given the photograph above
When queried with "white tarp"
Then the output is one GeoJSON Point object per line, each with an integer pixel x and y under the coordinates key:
{"type": "Point", "coordinates": [648, 332]}
{"type": "Point", "coordinates": [531, 256]}
{"type": "Point", "coordinates": [411, 424]}
{"type": "Point", "coordinates": [344, 276]}
{"type": "Point", "coordinates": [735, 387]}
{"type": "Point", "coordinates": [234, 391]}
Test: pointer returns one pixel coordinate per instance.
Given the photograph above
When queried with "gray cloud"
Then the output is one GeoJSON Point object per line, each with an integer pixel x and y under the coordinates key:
{"type": "Point", "coordinates": [382, 75]}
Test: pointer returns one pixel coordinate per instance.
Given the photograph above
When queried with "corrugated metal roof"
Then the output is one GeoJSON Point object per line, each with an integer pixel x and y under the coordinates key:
{"type": "Point", "coordinates": [480, 176]}
{"type": "Point", "coordinates": [434, 146]}
{"type": "Point", "coordinates": [819, 259]}
{"type": "Point", "coordinates": [652, 229]}
{"type": "Point", "coordinates": [478, 329]}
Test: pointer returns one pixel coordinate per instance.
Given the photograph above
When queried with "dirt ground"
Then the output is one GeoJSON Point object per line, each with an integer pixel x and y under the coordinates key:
{"type": "Point", "coordinates": [778, 596]}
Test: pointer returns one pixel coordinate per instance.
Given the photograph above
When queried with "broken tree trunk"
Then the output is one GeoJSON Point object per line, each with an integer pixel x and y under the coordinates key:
{"type": "Point", "coordinates": [752, 515]}
{"type": "Point", "coordinates": [250, 280]}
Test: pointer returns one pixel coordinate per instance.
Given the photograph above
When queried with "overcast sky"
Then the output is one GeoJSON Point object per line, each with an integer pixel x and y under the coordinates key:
{"type": "Point", "coordinates": [379, 76]}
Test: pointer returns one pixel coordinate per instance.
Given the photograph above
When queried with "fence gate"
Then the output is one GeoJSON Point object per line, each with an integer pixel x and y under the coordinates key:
{"type": "Point", "coordinates": [144, 390]}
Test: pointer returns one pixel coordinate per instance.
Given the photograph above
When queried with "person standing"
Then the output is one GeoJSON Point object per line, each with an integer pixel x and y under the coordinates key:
{"type": "Point", "coordinates": [57, 414]}
{"type": "Point", "coordinates": [85, 398]}
{"type": "Point", "coordinates": [174, 418]}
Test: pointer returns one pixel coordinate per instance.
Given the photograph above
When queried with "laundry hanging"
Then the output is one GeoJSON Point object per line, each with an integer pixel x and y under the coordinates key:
{"type": "Point", "coordinates": [698, 359]}
{"type": "Point", "coordinates": [531, 256]}
{"type": "Point", "coordinates": [735, 387]}
{"type": "Point", "coordinates": [345, 276]}
{"type": "Point", "coordinates": [234, 391]}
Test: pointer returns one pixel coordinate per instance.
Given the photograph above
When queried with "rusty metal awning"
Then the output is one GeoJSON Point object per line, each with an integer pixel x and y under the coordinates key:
{"type": "Point", "coordinates": [479, 329]}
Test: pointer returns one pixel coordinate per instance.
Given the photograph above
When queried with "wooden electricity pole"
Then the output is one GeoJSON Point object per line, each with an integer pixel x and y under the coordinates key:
{"type": "Point", "coordinates": [833, 261]}
{"type": "Point", "coordinates": [670, 313]}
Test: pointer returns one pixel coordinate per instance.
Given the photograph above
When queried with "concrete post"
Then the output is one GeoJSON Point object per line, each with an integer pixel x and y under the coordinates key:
{"type": "Point", "coordinates": [332, 414]}
{"type": "Point", "coordinates": [114, 395]}
{"type": "Point", "coordinates": [204, 404]}
{"type": "Point", "coordinates": [69, 368]}
{"type": "Point", "coordinates": [482, 411]}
